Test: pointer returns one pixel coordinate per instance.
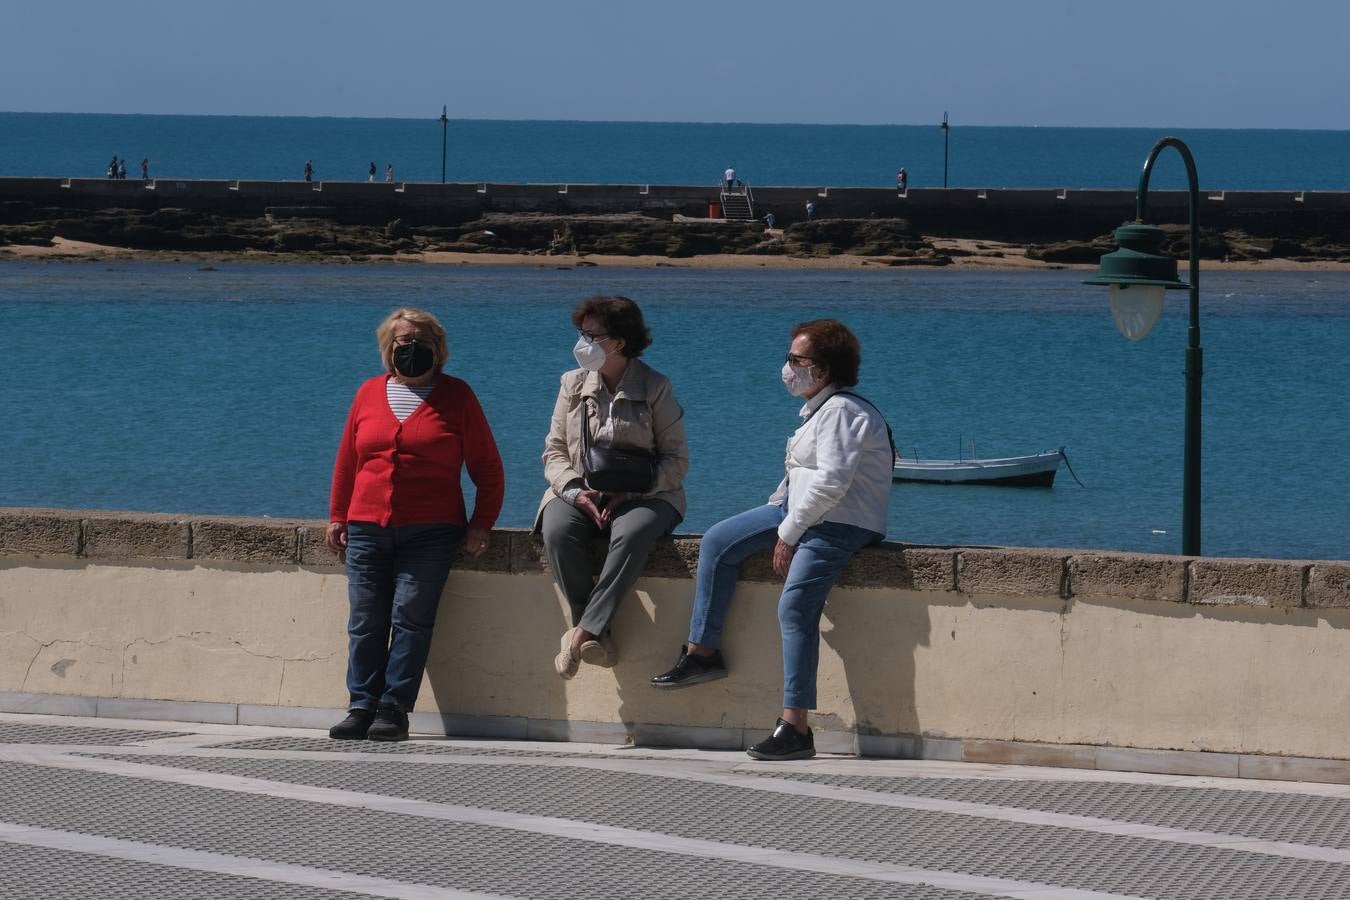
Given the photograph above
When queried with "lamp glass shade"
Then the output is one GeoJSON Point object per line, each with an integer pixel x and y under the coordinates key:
{"type": "Point", "coordinates": [1136, 308]}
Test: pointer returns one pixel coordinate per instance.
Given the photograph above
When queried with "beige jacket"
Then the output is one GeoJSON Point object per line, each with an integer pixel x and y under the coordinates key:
{"type": "Point", "coordinates": [645, 415]}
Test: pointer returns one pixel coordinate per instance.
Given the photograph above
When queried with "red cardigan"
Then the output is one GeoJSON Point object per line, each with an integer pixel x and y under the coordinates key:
{"type": "Point", "coordinates": [407, 473]}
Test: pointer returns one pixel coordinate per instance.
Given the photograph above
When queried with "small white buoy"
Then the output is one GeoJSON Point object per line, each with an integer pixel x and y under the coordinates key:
{"type": "Point", "coordinates": [1159, 531]}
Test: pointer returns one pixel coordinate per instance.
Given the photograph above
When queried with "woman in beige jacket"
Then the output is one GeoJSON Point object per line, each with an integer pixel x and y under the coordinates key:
{"type": "Point", "coordinates": [629, 405]}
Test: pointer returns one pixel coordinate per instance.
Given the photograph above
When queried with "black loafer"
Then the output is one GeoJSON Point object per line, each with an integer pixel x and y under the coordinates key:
{"type": "Point", "coordinates": [354, 727]}
{"type": "Point", "coordinates": [692, 669]}
{"type": "Point", "coordinates": [391, 724]}
{"type": "Point", "coordinates": [786, 742]}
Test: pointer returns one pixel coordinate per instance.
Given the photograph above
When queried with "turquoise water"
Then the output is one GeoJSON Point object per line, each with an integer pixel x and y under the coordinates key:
{"type": "Point", "coordinates": [158, 386]}
{"type": "Point", "coordinates": [254, 147]}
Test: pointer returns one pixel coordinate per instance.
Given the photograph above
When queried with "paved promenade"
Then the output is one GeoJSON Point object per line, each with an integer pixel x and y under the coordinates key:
{"type": "Point", "coordinates": [113, 808]}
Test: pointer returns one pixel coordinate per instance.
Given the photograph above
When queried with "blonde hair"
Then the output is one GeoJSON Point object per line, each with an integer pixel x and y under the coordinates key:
{"type": "Point", "coordinates": [384, 335]}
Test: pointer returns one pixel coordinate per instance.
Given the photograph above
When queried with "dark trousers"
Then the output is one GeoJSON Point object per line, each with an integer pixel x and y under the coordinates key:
{"type": "Point", "coordinates": [394, 580]}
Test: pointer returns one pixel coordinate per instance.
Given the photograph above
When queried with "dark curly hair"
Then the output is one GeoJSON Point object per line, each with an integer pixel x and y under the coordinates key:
{"type": "Point", "coordinates": [622, 320]}
{"type": "Point", "coordinates": [834, 347]}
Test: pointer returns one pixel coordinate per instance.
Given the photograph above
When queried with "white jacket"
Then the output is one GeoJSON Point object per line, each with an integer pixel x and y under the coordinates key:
{"type": "Point", "coordinates": [839, 465]}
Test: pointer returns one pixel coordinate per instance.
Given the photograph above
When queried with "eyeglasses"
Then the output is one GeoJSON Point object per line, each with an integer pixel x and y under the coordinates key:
{"type": "Point", "coordinates": [793, 359]}
{"type": "Point", "coordinates": [405, 340]}
{"type": "Point", "coordinates": [591, 337]}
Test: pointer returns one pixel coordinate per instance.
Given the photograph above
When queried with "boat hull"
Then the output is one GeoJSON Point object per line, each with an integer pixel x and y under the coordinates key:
{"type": "Point", "coordinates": [1038, 470]}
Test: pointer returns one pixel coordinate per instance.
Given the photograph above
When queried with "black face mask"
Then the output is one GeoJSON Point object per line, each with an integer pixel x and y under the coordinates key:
{"type": "Point", "coordinates": [413, 360]}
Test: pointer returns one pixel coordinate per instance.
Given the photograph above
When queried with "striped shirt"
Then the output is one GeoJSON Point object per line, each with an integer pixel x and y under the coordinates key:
{"type": "Point", "coordinates": [404, 399]}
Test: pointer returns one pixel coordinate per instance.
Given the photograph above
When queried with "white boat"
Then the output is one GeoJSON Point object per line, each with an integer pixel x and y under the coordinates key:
{"type": "Point", "coordinates": [1036, 470]}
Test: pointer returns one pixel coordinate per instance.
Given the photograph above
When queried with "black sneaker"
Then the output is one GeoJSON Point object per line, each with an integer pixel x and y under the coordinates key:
{"type": "Point", "coordinates": [354, 727]}
{"type": "Point", "coordinates": [391, 724]}
{"type": "Point", "coordinates": [786, 742]}
{"type": "Point", "coordinates": [692, 669]}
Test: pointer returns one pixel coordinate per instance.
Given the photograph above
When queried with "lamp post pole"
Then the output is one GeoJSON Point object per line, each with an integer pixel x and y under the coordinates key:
{"type": "Point", "coordinates": [946, 131]}
{"type": "Point", "coordinates": [1195, 354]}
{"type": "Point", "coordinates": [444, 122]}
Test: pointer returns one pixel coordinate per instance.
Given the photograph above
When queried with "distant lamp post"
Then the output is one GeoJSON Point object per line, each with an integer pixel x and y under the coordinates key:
{"type": "Point", "coordinates": [444, 122]}
{"type": "Point", "coordinates": [1138, 273]}
{"type": "Point", "coordinates": [946, 132]}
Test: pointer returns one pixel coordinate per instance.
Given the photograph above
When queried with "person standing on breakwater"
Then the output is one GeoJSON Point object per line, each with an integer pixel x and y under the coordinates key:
{"type": "Point", "coordinates": [145, 168]}
{"type": "Point", "coordinates": [729, 176]}
{"type": "Point", "coordinates": [112, 168]}
{"type": "Point", "coordinates": [371, 177]}
{"type": "Point", "coordinates": [768, 220]}
{"type": "Point", "coordinates": [398, 511]}
{"type": "Point", "coordinates": [615, 459]}
{"type": "Point", "coordinates": [830, 504]}
{"type": "Point", "coordinates": [122, 169]}
{"type": "Point", "coordinates": [389, 174]}
{"type": "Point", "coordinates": [309, 170]}
{"type": "Point", "coordinates": [810, 210]}
{"type": "Point", "coordinates": [901, 180]}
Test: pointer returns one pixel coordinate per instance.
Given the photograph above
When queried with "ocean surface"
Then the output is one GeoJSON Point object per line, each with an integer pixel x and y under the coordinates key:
{"type": "Point", "coordinates": [250, 147]}
{"type": "Point", "coordinates": [173, 387]}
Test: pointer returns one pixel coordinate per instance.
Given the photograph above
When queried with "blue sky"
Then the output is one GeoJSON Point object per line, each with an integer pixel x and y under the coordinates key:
{"type": "Point", "coordinates": [1191, 63]}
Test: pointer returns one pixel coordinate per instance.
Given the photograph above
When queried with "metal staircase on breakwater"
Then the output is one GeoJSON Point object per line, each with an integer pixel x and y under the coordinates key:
{"type": "Point", "coordinates": [738, 203]}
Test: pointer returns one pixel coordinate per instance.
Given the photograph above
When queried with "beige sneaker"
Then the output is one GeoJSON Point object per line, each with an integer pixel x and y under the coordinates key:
{"type": "Point", "coordinates": [600, 652]}
{"type": "Point", "coordinates": [567, 661]}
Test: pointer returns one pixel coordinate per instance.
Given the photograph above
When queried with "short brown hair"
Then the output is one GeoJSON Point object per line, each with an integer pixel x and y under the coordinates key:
{"type": "Point", "coordinates": [622, 318]}
{"type": "Point", "coordinates": [384, 335]}
{"type": "Point", "coordinates": [834, 347]}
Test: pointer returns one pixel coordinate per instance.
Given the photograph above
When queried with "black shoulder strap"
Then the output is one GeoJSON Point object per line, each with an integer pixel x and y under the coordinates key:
{"type": "Point", "coordinates": [889, 436]}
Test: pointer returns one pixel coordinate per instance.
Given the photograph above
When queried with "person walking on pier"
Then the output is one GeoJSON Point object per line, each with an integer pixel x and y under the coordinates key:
{"type": "Point", "coordinates": [309, 170]}
{"type": "Point", "coordinates": [371, 177]}
{"type": "Point", "coordinates": [831, 503]}
{"type": "Point", "coordinates": [112, 168]}
{"type": "Point", "coordinates": [122, 169]}
{"type": "Point", "coordinates": [729, 176]}
{"type": "Point", "coordinates": [901, 180]}
{"type": "Point", "coordinates": [389, 174]}
{"type": "Point", "coordinates": [397, 510]}
{"type": "Point", "coordinates": [145, 169]}
{"type": "Point", "coordinates": [615, 459]}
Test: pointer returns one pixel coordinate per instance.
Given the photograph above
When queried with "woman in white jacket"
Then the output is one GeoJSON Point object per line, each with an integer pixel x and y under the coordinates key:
{"type": "Point", "coordinates": [831, 503]}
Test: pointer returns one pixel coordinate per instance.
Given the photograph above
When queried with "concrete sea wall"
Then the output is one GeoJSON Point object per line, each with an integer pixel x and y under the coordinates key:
{"type": "Point", "coordinates": [1017, 215]}
{"type": "Point", "coordinates": [1061, 657]}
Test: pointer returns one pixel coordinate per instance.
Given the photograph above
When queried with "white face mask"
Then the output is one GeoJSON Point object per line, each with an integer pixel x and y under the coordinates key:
{"type": "Point", "coordinates": [590, 355]}
{"type": "Point", "coordinates": [797, 380]}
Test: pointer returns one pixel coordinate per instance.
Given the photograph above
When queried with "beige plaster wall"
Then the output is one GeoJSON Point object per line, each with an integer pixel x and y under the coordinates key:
{"type": "Point", "coordinates": [1065, 647]}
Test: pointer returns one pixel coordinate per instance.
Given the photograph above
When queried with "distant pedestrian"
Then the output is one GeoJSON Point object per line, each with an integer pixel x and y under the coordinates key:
{"type": "Point", "coordinates": [389, 174]}
{"type": "Point", "coordinates": [371, 177]}
{"type": "Point", "coordinates": [729, 176]}
{"type": "Point", "coordinates": [768, 219]}
{"type": "Point", "coordinates": [309, 170]}
{"type": "Point", "coordinates": [145, 169]}
{"type": "Point", "coordinates": [112, 168]}
{"type": "Point", "coordinates": [810, 210]}
{"type": "Point", "coordinates": [902, 180]}
{"type": "Point", "coordinates": [122, 169]}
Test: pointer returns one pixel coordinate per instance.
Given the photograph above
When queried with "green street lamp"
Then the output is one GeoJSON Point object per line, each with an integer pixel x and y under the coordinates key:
{"type": "Point", "coordinates": [1138, 274]}
{"type": "Point", "coordinates": [444, 122]}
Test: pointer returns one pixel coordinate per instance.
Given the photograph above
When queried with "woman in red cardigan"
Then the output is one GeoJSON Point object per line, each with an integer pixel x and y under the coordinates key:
{"type": "Point", "coordinates": [398, 512]}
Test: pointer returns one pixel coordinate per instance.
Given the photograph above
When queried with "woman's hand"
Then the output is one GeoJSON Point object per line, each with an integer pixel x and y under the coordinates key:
{"type": "Point", "coordinates": [782, 558]}
{"type": "Point", "coordinates": [592, 503]}
{"type": "Point", "coordinates": [335, 536]}
{"type": "Point", "coordinates": [610, 507]}
{"type": "Point", "coordinates": [476, 540]}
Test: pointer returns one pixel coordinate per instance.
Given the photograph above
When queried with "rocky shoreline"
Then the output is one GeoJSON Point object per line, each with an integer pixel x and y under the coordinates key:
{"type": "Point", "coordinates": [320, 234]}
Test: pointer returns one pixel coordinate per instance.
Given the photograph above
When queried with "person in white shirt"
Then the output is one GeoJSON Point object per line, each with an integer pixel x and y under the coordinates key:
{"type": "Point", "coordinates": [831, 503]}
{"type": "Point", "coordinates": [729, 176]}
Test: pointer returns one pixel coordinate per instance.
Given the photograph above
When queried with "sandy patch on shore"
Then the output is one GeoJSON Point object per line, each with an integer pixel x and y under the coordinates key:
{"type": "Point", "coordinates": [981, 254]}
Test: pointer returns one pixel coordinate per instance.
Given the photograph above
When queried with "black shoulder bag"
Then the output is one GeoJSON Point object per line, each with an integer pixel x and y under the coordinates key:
{"type": "Point", "coordinates": [615, 470]}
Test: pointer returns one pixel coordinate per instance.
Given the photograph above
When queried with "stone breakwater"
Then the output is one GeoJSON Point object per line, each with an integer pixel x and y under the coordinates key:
{"type": "Point", "coordinates": [361, 219]}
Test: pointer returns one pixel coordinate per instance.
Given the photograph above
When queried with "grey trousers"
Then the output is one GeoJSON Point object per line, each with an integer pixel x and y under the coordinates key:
{"type": "Point", "coordinates": [568, 533]}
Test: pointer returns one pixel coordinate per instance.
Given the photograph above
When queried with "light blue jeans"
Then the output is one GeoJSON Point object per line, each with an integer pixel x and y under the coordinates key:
{"type": "Point", "coordinates": [821, 555]}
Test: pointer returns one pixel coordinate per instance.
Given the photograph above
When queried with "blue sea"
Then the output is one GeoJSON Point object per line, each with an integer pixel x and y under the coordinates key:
{"type": "Point", "coordinates": [250, 147]}
{"type": "Point", "coordinates": [174, 387]}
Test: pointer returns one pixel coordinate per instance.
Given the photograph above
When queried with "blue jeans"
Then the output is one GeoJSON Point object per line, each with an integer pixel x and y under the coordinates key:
{"type": "Point", "coordinates": [821, 555]}
{"type": "Point", "coordinates": [394, 580]}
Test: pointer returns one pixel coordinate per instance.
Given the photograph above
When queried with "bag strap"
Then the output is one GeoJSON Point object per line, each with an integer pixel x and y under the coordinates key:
{"type": "Point", "coordinates": [889, 436]}
{"type": "Point", "coordinates": [585, 426]}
